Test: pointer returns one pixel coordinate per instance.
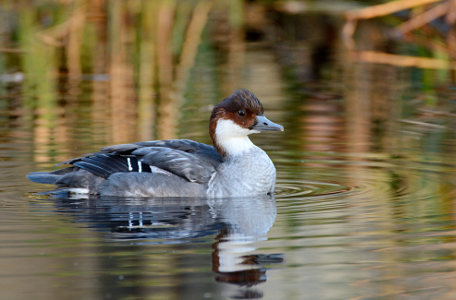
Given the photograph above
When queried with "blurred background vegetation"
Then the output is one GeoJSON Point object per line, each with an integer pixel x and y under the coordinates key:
{"type": "Point", "coordinates": [124, 69]}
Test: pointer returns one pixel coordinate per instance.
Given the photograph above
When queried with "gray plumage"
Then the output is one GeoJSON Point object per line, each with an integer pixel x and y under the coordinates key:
{"type": "Point", "coordinates": [170, 168]}
{"type": "Point", "coordinates": [153, 168]}
{"type": "Point", "coordinates": [186, 165]}
{"type": "Point", "coordinates": [251, 173]}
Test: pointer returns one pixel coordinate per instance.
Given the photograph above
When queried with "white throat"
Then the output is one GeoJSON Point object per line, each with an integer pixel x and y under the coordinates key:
{"type": "Point", "coordinates": [232, 138]}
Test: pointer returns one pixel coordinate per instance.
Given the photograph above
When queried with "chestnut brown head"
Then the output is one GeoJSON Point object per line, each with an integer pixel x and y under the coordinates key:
{"type": "Point", "coordinates": [237, 116]}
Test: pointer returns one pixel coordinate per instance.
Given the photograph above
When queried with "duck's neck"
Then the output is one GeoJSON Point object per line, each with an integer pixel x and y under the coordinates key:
{"type": "Point", "coordinates": [231, 140]}
{"type": "Point", "coordinates": [235, 146]}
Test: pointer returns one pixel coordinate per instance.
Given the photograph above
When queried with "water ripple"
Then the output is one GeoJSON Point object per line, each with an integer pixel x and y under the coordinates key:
{"type": "Point", "coordinates": [298, 188]}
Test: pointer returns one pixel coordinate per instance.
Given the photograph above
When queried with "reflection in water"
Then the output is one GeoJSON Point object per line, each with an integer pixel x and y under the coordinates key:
{"type": "Point", "coordinates": [236, 223]}
{"type": "Point", "coordinates": [231, 258]}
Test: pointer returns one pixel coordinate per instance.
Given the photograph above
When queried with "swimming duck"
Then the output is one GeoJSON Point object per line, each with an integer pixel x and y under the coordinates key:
{"type": "Point", "coordinates": [233, 167]}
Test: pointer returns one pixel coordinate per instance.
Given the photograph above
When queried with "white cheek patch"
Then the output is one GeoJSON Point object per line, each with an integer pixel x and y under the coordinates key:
{"type": "Point", "coordinates": [227, 128]}
{"type": "Point", "coordinates": [232, 138]}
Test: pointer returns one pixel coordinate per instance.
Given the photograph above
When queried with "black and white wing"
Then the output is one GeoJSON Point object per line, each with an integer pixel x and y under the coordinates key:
{"type": "Point", "coordinates": [193, 161]}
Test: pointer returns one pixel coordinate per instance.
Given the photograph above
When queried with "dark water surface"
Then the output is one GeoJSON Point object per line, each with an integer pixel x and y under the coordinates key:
{"type": "Point", "coordinates": [365, 198]}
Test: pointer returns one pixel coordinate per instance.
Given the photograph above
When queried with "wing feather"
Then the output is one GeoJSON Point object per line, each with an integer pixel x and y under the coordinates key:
{"type": "Point", "coordinates": [192, 167]}
{"type": "Point", "coordinates": [193, 161]}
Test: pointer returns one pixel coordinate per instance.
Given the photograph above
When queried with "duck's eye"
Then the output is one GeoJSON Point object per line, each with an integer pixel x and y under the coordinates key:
{"type": "Point", "coordinates": [241, 113]}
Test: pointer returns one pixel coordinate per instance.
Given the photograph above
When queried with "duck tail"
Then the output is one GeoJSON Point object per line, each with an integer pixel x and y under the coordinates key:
{"type": "Point", "coordinates": [48, 177]}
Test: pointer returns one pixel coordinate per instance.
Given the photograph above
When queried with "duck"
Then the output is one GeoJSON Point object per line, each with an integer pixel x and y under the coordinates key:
{"type": "Point", "coordinates": [233, 167]}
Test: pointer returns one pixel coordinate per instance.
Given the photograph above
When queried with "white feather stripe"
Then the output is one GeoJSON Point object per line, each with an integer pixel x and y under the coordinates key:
{"type": "Point", "coordinates": [129, 164]}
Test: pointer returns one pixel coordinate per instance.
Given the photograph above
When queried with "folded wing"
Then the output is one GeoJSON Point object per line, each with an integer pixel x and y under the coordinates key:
{"type": "Point", "coordinates": [193, 161]}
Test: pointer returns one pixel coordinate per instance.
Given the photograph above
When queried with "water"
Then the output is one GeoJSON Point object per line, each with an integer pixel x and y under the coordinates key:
{"type": "Point", "coordinates": [364, 203]}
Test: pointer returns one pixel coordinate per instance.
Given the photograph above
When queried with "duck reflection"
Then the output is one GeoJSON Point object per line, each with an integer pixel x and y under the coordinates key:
{"type": "Point", "coordinates": [246, 222]}
{"type": "Point", "coordinates": [236, 223]}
